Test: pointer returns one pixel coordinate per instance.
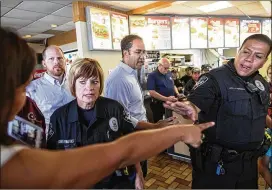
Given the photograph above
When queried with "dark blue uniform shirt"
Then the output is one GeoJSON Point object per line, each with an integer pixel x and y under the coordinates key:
{"type": "Point", "coordinates": [163, 84]}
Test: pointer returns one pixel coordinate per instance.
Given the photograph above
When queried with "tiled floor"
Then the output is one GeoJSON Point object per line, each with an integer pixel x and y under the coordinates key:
{"type": "Point", "coordinates": [167, 173]}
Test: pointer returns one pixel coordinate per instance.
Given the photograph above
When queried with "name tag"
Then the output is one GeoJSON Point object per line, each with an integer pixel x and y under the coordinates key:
{"type": "Point", "coordinates": [69, 141]}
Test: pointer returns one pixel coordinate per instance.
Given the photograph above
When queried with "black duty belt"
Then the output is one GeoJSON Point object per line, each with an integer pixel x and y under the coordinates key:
{"type": "Point", "coordinates": [217, 152]}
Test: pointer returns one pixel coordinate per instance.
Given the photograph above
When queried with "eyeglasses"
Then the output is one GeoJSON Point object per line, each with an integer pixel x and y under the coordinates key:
{"type": "Point", "coordinates": [165, 68]}
{"type": "Point", "coordinates": [140, 53]}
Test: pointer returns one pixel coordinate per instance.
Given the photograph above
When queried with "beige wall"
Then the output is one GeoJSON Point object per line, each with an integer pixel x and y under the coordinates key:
{"type": "Point", "coordinates": [107, 59]}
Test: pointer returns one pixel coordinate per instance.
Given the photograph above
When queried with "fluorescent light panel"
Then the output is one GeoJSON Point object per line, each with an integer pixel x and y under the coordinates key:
{"type": "Point", "coordinates": [215, 6]}
{"type": "Point", "coordinates": [178, 2]}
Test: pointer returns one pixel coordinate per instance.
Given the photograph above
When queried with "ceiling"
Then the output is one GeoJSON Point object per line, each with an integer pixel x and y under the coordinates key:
{"type": "Point", "coordinates": [35, 18]}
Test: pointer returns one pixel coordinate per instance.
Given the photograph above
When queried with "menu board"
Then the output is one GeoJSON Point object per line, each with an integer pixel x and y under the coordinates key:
{"type": "Point", "coordinates": [198, 32]}
{"type": "Point", "coordinates": [266, 29]}
{"type": "Point", "coordinates": [119, 25]}
{"type": "Point", "coordinates": [215, 33]}
{"type": "Point", "coordinates": [155, 31]}
{"type": "Point", "coordinates": [232, 32]}
{"type": "Point", "coordinates": [137, 25]}
{"type": "Point", "coordinates": [249, 27]}
{"type": "Point", "coordinates": [100, 29]}
{"type": "Point", "coordinates": [161, 32]}
{"type": "Point", "coordinates": [180, 33]}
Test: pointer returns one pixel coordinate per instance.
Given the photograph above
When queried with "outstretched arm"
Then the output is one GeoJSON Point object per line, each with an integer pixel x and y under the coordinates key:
{"type": "Point", "coordinates": [83, 167]}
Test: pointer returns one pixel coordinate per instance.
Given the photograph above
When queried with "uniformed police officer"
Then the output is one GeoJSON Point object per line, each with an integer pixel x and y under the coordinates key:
{"type": "Point", "coordinates": [92, 119]}
{"type": "Point", "coordinates": [235, 96]}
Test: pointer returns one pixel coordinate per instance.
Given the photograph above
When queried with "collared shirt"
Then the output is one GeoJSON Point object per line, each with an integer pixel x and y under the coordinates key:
{"type": "Point", "coordinates": [122, 85]}
{"type": "Point", "coordinates": [162, 84]}
{"type": "Point", "coordinates": [49, 94]}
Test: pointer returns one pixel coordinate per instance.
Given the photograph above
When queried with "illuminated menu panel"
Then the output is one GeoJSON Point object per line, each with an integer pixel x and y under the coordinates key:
{"type": "Point", "coordinates": [180, 33]}
{"type": "Point", "coordinates": [232, 32]}
{"type": "Point", "coordinates": [266, 29]}
{"type": "Point", "coordinates": [215, 33]}
{"type": "Point", "coordinates": [138, 26]}
{"type": "Point", "coordinates": [248, 28]}
{"type": "Point", "coordinates": [119, 25]}
{"type": "Point", "coordinates": [198, 32]}
{"type": "Point", "coordinates": [100, 29]}
{"type": "Point", "coordinates": [155, 31]}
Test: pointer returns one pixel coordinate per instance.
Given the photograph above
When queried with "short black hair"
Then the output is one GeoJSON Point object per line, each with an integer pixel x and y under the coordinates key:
{"type": "Point", "coordinates": [126, 42]}
{"type": "Point", "coordinates": [259, 37]}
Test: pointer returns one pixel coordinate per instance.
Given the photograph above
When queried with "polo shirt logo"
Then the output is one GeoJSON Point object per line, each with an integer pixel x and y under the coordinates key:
{"type": "Point", "coordinates": [113, 124]}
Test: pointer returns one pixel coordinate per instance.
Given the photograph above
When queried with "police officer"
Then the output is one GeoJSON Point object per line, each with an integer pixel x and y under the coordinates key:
{"type": "Point", "coordinates": [92, 119]}
{"type": "Point", "coordinates": [161, 88]}
{"type": "Point", "coordinates": [235, 96]}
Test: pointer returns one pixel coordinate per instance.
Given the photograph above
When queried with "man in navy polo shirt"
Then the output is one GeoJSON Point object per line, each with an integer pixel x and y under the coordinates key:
{"type": "Point", "coordinates": [161, 88]}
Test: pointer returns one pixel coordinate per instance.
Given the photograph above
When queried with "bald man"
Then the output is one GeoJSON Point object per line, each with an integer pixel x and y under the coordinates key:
{"type": "Point", "coordinates": [161, 88]}
{"type": "Point", "coordinates": [50, 91]}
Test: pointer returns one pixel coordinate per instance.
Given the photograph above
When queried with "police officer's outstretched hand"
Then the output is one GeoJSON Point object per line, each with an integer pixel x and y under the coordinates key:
{"type": "Point", "coordinates": [192, 134]}
{"type": "Point", "coordinates": [186, 109]}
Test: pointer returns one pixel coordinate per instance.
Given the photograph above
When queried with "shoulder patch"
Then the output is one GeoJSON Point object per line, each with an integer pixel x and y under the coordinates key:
{"type": "Point", "coordinates": [113, 124]}
{"type": "Point", "coordinates": [259, 85]}
{"type": "Point", "coordinates": [201, 81]}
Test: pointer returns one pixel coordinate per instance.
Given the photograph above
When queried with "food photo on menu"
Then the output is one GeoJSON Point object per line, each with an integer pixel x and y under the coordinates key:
{"type": "Point", "coordinates": [215, 33]}
{"type": "Point", "coordinates": [180, 33]}
{"type": "Point", "coordinates": [232, 32]}
{"type": "Point", "coordinates": [100, 29]}
{"type": "Point", "coordinates": [249, 27]}
{"type": "Point", "coordinates": [119, 24]}
{"type": "Point", "coordinates": [199, 33]}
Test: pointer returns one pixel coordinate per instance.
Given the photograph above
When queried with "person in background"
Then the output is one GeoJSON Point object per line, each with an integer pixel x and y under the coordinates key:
{"type": "Point", "coordinates": [265, 163]}
{"type": "Point", "coordinates": [236, 96]}
{"type": "Point", "coordinates": [161, 88]}
{"type": "Point", "coordinates": [177, 81]}
{"type": "Point", "coordinates": [187, 76]}
{"type": "Point", "coordinates": [93, 119]}
{"type": "Point", "coordinates": [24, 168]}
{"type": "Point", "coordinates": [50, 91]}
{"type": "Point", "coordinates": [191, 83]}
{"type": "Point", "coordinates": [123, 85]}
{"type": "Point", "coordinates": [205, 68]}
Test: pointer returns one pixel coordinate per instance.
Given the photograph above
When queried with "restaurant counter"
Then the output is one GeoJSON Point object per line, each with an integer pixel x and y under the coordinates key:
{"type": "Point", "coordinates": [180, 150]}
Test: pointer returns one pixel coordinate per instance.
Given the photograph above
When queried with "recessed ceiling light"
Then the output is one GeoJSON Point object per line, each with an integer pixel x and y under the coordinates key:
{"type": "Point", "coordinates": [54, 25]}
{"type": "Point", "coordinates": [27, 36]}
{"type": "Point", "coordinates": [215, 6]}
